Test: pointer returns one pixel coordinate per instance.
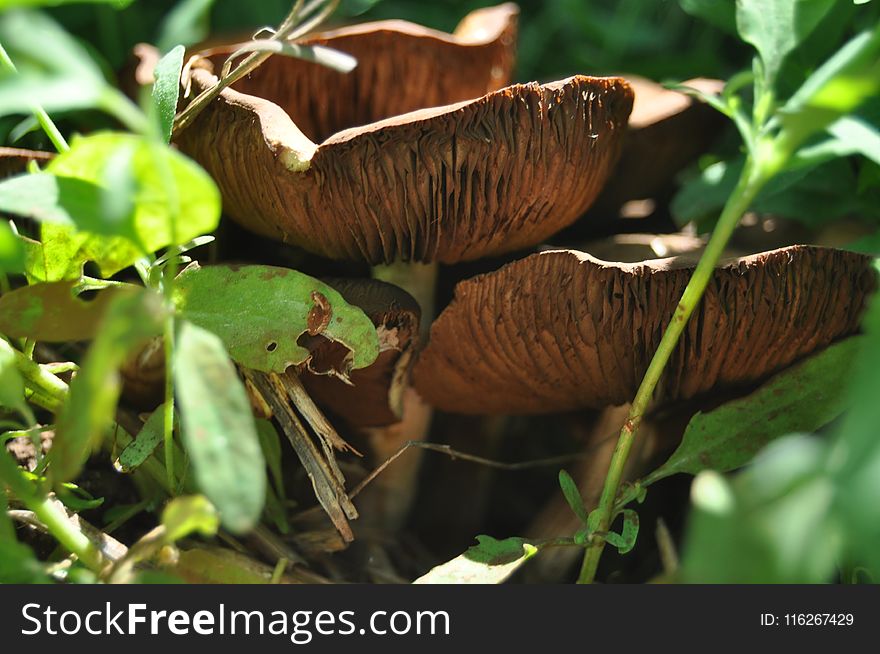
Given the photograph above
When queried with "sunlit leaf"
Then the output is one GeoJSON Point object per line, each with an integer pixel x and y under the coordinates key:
{"type": "Point", "coordinates": [166, 89]}
{"type": "Point", "coordinates": [94, 392]}
{"type": "Point", "coordinates": [218, 428]}
{"type": "Point", "coordinates": [187, 515]}
{"type": "Point", "coordinates": [281, 305]}
{"type": "Point", "coordinates": [776, 27]}
{"type": "Point", "coordinates": [491, 561]}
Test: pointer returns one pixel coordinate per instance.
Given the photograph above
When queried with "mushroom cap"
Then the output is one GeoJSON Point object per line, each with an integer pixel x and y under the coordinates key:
{"type": "Point", "coordinates": [447, 184]}
{"type": "Point", "coordinates": [401, 67]}
{"type": "Point", "coordinates": [374, 397]}
{"type": "Point", "coordinates": [561, 330]}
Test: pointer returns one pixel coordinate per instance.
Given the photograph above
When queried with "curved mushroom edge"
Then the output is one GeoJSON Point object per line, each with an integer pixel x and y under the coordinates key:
{"type": "Point", "coordinates": [452, 183]}
{"type": "Point", "coordinates": [561, 330]}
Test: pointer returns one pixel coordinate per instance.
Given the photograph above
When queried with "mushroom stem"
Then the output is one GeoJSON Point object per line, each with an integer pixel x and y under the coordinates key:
{"type": "Point", "coordinates": [395, 491]}
{"type": "Point", "coordinates": [754, 176]}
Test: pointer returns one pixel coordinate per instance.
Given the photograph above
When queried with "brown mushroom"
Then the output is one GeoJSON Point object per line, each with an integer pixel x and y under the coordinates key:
{"type": "Point", "coordinates": [446, 184]}
{"type": "Point", "coordinates": [374, 397]}
{"type": "Point", "coordinates": [401, 67]}
{"type": "Point", "coordinates": [560, 329]}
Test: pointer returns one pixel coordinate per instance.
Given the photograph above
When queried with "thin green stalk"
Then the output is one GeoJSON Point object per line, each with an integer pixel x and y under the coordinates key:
{"type": "Point", "coordinates": [168, 415]}
{"type": "Point", "coordinates": [50, 514]}
{"type": "Point", "coordinates": [752, 179]}
{"type": "Point", "coordinates": [40, 114]}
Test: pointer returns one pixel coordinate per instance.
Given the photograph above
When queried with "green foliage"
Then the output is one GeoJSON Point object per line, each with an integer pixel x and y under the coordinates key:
{"type": "Point", "coordinates": [776, 27]}
{"type": "Point", "coordinates": [187, 23]}
{"type": "Point", "coordinates": [52, 311]}
{"type": "Point", "coordinates": [805, 506]}
{"type": "Point", "coordinates": [801, 398]}
{"type": "Point", "coordinates": [491, 561]}
{"type": "Point", "coordinates": [573, 496]}
{"type": "Point", "coordinates": [166, 89]}
{"type": "Point", "coordinates": [218, 429]}
{"type": "Point", "coordinates": [281, 305]}
{"type": "Point", "coordinates": [9, 4]}
{"type": "Point", "coordinates": [130, 320]}
{"type": "Point", "coordinates": [142, 447]}
{"type": "Point", "coordinates": [626, 539]}
{"type": "Point", "coordinates": [188, 515]}
{"type": "Point", "coordinates": [11, 250]}
{"type": "Point", "coordinates": [11, 383]}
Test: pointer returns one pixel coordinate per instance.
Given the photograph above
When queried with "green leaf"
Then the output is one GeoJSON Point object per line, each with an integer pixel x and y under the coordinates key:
{"type": "Point", "coordinates": [259, 312]}
{"type": "Point", "coordinates": [573, 496]}
{"type": "Point", "coordinates": [776, 27]}
{"type": "Point", "coordinates": [626, 540]}
{"type": "Point", "coordinates": [836, 88]}
{"type": "Point", "coordinates": [94, 392]}
{"type": "Point", "coordinates": [54, 70]}
{"type": "Point", "coordinates": [11, 250]}
{"type": "Point", "coordinates": [18, 565]}
{"type": "Point", "coordinates": [218, 428]}
{"type": "Point", "coordinates": [854, 135]}
{"type": "Point", "coordinates": [166, 89]}
{"type": "Point", "coordinates": [11, 383]}
{"type": "Point", "coordinates": [773, 524]}
{"type": "Point", "coordinates": [187, 515]}
{"type": "Point", "coordinates": [175, 200]}
{"type": "Point", "coordinates": [52, 312]}
{"type": "Point", "coordinates": [186, 24]}
{"type": "Point", "coordinates": [148, 438]}
{"type": "Point", "coordinates": [491, 561]}
{"type": "Point", "coordinates": [801, 398]}
{"type": "Point", "coordinates": [48, 198]}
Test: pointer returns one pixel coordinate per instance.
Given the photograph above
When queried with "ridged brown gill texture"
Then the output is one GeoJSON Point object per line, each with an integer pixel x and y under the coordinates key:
{"type": "Point", "coordinates": [560, 330]}
{"type": "Point", "coordinates": [448, 184]}
{"type": "Point", "coordinates": [401, 67]}
{"type": "Point", "coordinates": [375, 395]}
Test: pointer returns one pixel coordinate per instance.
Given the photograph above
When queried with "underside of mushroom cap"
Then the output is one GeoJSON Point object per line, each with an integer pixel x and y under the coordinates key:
{"type": "Point", "coordinates": [447, 184]}
{"type": "Point", "coordinates": [401, 67]}
{"type": "Point", "coordinates": [561, 330]}
{"type": "Point", "coordinates": [374, 397]}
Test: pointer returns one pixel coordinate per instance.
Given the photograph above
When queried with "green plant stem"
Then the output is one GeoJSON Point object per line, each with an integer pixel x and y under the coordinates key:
{"type": "Point", "coordinates": [50, 514]}
{"type": "Point", "coordinates": [40, 114]}
{"type": "Point", "coordinates": [752, 179]}
{"type": "Point", "coordinates": [168, 416]}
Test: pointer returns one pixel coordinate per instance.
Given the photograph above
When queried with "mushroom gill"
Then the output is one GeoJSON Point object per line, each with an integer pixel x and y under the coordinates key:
{"type": "Point", "coordinates": [561, 330]}
{"type": "Point", "coordinates": [401, 67]}
{"type": "Point", "coordinates": [447, 184]}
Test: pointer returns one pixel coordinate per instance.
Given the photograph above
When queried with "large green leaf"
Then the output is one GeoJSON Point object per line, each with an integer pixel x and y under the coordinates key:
{"type": "Point", "coordinates": [802, 398]}
{"type": "Point", "coordinates": [836, 88]}
{"type": "Point", "coordinates": [776, 27]}
{"type": "Point", "coordinates": [218, 428]}
{"type": "Point", "coordinates": [491, 561]}
{"type": "Point", "coordinates": [52, 312]}
{"type": "Point", "coordinates": [54, 70]}
{"type": "Point", "coordinates": [259, 312]}
{"type": "Point", "coordinates": [174, 199]}
{"type": "Point", "coordinates": [94, 392]}
{"type": "Point", "coordinates": [773, 524]}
